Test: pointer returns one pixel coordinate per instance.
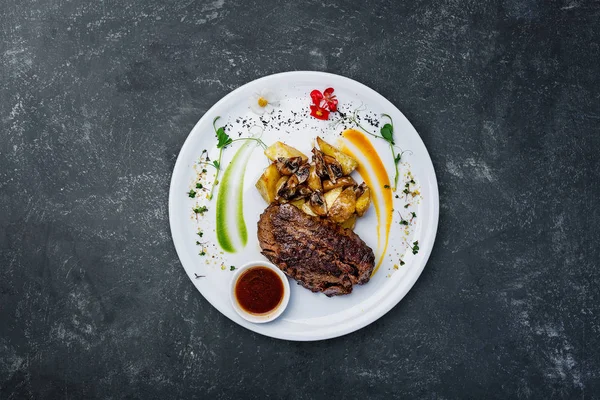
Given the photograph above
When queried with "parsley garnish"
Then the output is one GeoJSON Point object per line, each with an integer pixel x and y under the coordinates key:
{"type": "Point", "coordinates": [192, 193]}
{"type": "Point", "coordinates": [402, 262]}
{"type": "Point", "coordinates": [386, 186]}
{"type": "Point", "coordinates": [200, 233]}
{"type": "Point", "coordinates": [200, 210]}
{"type": "Point", "coordinates": [199, 186]}
{"type": "Point", "coordinates": [232, 268]}
{"type": "Point", "coordinates": [415, 247]}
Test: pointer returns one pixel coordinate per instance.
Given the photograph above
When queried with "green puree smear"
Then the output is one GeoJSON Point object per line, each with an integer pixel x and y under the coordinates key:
{"type": "Point", "coordinates": [230, 206]}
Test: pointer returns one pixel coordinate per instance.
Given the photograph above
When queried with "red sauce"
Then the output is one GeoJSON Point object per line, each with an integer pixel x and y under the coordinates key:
{"type": "Point", "coordinates": [259, 290]}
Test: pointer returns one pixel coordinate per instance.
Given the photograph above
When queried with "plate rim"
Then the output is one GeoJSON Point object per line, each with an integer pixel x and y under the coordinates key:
{"type": "Point", "coordinates": [376, 313]}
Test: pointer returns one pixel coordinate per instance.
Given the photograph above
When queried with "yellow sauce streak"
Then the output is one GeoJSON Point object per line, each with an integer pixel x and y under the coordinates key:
{"type": "Point", "coordinates": [378, 192]}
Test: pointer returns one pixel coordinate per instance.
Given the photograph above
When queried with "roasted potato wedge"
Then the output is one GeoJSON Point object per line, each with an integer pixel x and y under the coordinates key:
{"type": "Point", "coordinates": [267, 183]}
{"type": "Point", "coordinates": [331, 196]}
{"type": "Point", "coordinates": [279, 149]}
{"type": "Point", "coordinates": [306, 208]}
{"type": "Point", "coordinates": [344, 181]}
{"type": "Point", "coordinates": [298, 203]}
{"type": "Point", "coordinates": [314, 182]}
{"type": "Point", "coordinates": [363, 202]}
{"type": "Point", "coordinates": [343, 207]}
{"type": "Point", "coordinates": [348, 163]}
{"type": "Point", "coordinates": [349, 223]}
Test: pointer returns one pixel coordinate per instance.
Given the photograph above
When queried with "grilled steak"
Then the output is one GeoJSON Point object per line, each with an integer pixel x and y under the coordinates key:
{"type": "Point", "coordinates": [321, 255]}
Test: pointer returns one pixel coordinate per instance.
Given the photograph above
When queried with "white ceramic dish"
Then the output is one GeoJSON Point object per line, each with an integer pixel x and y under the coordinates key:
{"type": "Point", "coordinates": [309, 316]}
{"type": "Point", "coordinates": [271, 315]}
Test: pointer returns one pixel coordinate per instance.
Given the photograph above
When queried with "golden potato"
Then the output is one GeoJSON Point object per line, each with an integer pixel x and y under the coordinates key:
{"type": "Point", "coordinates": [343, 207]}
{"type": "Point", "coordinates": [363, 202]}
{"type": "Point", "coordinates": [306, 208]}
{"type": "Point", "coordinates": [298, 203]}
{"type": "Point", "coordinates": [349, 223]}
{"type": "Point", "coordinates": [348, 163]}
{"type": "Point", "coordinates": [344, 181]}
{"type": "Point", "coordinates": [331, 196]}
{"type": "Point", "coordinates": [279, 149]}
{"type": "Point", "coordinates": [314, 182]}
{"type": "Point", "coordinates": [267, 182]}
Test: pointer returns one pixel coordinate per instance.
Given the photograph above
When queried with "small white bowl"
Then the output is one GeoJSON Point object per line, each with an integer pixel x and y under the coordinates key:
{"type": "Point", "coordinates": [271, 315]}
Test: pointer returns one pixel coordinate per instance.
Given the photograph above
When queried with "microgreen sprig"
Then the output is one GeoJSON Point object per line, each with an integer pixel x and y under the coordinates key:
{"type": "Point", "coordinates": [387, 134]}
{"type": "Point", "coordinates": [224, 140]}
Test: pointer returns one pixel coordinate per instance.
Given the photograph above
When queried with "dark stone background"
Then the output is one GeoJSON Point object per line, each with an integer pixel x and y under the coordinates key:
{"type": "Point", "coordinates": [97, 97]}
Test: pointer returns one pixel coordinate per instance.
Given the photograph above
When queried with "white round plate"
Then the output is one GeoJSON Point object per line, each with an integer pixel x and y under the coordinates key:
{"type": "Point", "coordinates": [309, 316]}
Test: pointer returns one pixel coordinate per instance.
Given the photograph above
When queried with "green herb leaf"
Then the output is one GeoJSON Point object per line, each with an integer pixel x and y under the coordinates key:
{"type": "Point", "coordinates": [386, 186]}
{"type": "Point", "coordinates": [232, 268]}
{"type": "Point", "coordinates": [223, 139]}
{"type": "Point", "coordinates": [192, 193]}
{"type": "Point", "coordinates": [414, 214]}
{"type": "Point", "coordinates": [216, 164]}
{"type": "Point", "coordinates": [199, 186]}
{"type": "Point", "coordinates": [387, 131]}
{"type": "Point", "coordinates": [202, 253]}
{"type": "Point", "coordinates": [200, 210]}
{"type": "Point", "coordinates": [398, 157]}
{"type": "Point", "coordinates": [200, 233]}
{"type": "Point", "coordinates": [402, 262]}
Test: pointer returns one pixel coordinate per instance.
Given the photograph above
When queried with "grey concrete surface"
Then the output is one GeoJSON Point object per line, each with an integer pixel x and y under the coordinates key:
{"type": "Point", "coordinates": [97, 97]}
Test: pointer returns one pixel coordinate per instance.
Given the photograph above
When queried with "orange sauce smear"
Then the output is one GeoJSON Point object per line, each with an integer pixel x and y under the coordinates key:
{"type": "Point", "coordinates": [376, 183]}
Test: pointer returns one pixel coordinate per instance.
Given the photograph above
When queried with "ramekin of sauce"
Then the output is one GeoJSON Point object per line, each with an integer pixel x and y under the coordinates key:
{"type": "Point", "coordinates": [260, 291]}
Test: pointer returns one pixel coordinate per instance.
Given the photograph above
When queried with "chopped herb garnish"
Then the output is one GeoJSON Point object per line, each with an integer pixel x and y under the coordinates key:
{"type": "Point", "coordinates": [386, 186]}
{"type": "Point", "coordinates": [197, 242]}
{"type": "Point", "coordinates": [407, 185]}
{"type": "Point", "coordinates": [200, 233]}
{"type": "Point", "coordinates": [415, 247]}
{"type": "Point", "coordinates": [412, 181]}
{"type": "Point", "coordinates": [199, 186]}
{"type": "Point", "coordinates": [414, 214]}
{"type": "Point", "coordinates": [200, 210]}
{"type": "Point", "coordinates": [232, 268]}
{"type": "Point", "coordinates": [406, 205]}
{"type": "Point", "coordinates": [203, 170]}
{"type": "Point", "coordinates": [202, 253]}
{"type": "Point", "coordinates": [192, 193]}
{"type": "Point", "coordinates": [402, 263]}
{"type": "Point", "coordinates": [405, 191]}
{"type": "Point", "coordinates": [403, 222]}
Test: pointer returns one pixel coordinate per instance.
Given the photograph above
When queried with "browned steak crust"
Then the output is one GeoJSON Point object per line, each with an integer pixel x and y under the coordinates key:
{"type": "Point", "coordinates": [321, 255]}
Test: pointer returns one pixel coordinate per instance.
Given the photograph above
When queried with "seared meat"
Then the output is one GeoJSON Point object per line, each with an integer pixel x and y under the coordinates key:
{"type": "Point", "coordinates": [321, 255]}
